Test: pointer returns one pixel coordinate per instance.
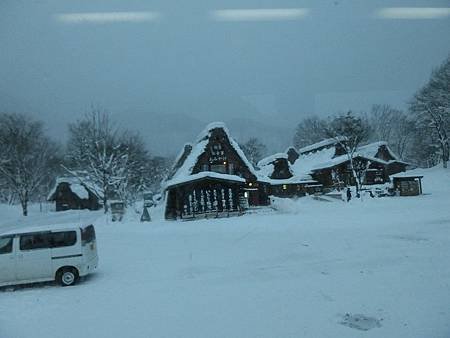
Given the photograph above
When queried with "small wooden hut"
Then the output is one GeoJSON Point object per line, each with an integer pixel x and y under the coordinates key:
{"type": "Point", "coordinates": [70, 193]}
{"type": "Point", "coordinates": [407, 184]}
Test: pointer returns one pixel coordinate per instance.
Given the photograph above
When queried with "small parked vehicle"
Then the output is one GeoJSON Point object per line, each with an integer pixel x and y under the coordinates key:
{"type": "Point", "coordinates": [117, 210]}
{"type": "Point", "coordinates": [62, 253]}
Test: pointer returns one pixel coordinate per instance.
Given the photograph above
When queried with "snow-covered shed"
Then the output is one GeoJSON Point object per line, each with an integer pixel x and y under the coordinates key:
{"type": "Point", "coordinates": [408, 183]}
{"type": "Point", "coordinates": [212, 176]}
{"type": "Point", "coordinates": [71, 193]}
{"type": "Point", "coordinates": [275, 170]}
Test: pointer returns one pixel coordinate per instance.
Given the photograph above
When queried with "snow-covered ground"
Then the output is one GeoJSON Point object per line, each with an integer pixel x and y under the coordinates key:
{"type": "Point", "coordinates": [309, 269]}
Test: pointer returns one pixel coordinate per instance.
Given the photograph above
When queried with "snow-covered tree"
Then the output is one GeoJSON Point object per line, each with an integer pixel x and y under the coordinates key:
{"type": "Point", "coordinates": [431, 109]}
{"type": "Point", "coordinates": [27, 157]}
{"type": "Point", "coordinates": [114, 161]}
{"type": "Point", "coordinates": [97, 157]}
{"type": "Point", "coordinates": [254, 150]}
{"type": "Point", "coordinates": [350, 132]}
{"type": "Point", "coordinates": [310, 130]}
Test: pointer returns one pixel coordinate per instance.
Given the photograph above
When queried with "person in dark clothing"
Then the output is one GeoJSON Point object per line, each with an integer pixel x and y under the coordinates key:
{"type": "Point", "coordinates": [349, 194]}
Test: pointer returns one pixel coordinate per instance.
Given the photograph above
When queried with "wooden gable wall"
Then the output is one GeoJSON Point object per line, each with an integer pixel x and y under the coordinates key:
{"type": "Point", "coordinates": [281, 169]}
{"type": "Point", "coordinates": [220, 156]}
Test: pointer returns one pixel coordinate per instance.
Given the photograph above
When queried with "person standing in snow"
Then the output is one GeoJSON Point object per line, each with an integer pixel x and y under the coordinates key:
{"type": "Point", "coordinates": [349, 195]}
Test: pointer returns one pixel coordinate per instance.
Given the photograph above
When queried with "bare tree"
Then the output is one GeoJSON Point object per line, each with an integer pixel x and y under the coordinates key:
{"type": "Point", "coordinates": [310, 130]}
{"type": "Point", "coordinates": [27, 156]}
{"type": "Point", "coordinates": [393, 126]}
{"type": "Point", "coordinates": [431, 108]}
{"type": "Point", "coordinates": [254, 149]}
{"type": "Point", "coordinates": [350, 132]}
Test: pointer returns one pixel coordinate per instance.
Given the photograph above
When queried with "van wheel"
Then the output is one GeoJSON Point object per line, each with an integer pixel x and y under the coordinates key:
{"type": "Point", "coordinates": [67, 276]}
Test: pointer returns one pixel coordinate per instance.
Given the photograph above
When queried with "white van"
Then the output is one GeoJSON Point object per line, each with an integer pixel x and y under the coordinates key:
{"type": "Point", "coordinates": [62, 253]}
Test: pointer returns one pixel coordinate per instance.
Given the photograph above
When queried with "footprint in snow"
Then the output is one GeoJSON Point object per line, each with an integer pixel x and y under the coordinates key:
{"type": "Point", "coordinates": [360, 322]}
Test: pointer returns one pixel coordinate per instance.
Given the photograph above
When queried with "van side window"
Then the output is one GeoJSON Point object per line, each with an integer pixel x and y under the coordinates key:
{"type": "Point", "coordinates": [87, 234]}
{"type": "Point", "coordinates": [6, 245]}
{"type": "Point", "coordinates": [35, 241]}
{"type": "Point", "coordinates": [64, 238]}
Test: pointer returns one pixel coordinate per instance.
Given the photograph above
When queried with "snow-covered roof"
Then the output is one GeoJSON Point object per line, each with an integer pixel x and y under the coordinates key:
{"type": "Point", "coordinates": [179, 160]}
{"type": "Point", "coordinates": [289, 148]}
{"type": "Point", "coordinates": [305, 179]}
{"type": "Point", "coordinates": [204, 174]}
{"type": "Point", "coordinates": [184, 172]}
{"type": "Point", "coordinates": [322, 144]}
{"type": "Point", "coordinates": [409, 174]}
{"type": "Point", "coordinates": [77, 186]}
{"type": "Point", "coordinates": [306, 163]}
{"type": "Point", "coordinates": [272, 158]}
{"type": "Point", "coordinates": [266, 168]}
{"type": "Point", "coordinates": [325, 158]}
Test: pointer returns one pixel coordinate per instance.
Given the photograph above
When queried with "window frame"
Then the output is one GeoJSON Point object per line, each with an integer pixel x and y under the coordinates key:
{"type": "Point", "coordinates": [10, 244]}
{"type": "Point", "coordinates": [31, 234]}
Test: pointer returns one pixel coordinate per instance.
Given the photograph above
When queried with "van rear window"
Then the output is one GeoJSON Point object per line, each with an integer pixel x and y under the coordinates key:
{"type": "Point", "coordinates": [87, 234]}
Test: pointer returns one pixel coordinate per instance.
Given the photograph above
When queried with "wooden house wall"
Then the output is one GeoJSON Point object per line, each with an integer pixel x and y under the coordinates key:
{"type": "Point", "coordinates": [233, 163]}
{"type": "Point", "coordinates": [395, 168]}
{"type": "Point", "coordinates": [202, 197]}
{"type": "Point", "coordinates": [408, 186]}
{"type": "Point", "coordinates": [288, 190]}
{"type": "Point", "coordinates": [281, 169]}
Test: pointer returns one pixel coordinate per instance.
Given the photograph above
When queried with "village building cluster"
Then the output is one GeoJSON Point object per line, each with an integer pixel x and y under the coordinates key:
{"type": "Point", "coordinates": [212, 177]}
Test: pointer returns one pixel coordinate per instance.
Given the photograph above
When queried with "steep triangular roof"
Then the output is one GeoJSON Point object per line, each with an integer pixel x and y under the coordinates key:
{"type": "Point", "coordinates": [186, 168]}
{"type": "Point", "coordinates": [79, 188]}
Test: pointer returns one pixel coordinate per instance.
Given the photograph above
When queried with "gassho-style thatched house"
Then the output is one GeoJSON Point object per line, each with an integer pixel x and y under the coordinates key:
{"type": "Point", "coordinates": [70, 193]}
{"type": "Point", "coordinates": [328, 163]}
{"type": "Point", "coordinates": [213, 177]}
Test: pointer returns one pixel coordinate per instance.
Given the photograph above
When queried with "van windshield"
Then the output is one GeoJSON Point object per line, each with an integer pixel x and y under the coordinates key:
{"type": "Point", "coordinates": [87, 234]}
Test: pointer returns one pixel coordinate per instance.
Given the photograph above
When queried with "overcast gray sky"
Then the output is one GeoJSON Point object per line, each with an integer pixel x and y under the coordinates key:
{"type": "Point", "coordinates": [169, 67]}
